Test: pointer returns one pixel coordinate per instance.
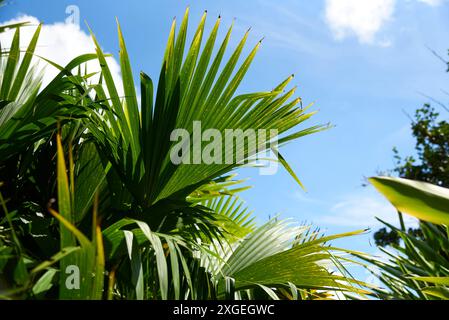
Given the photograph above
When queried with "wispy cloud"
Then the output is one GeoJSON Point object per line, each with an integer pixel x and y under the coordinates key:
{"type": "Point", "coordinates": [432, 3]}
{"type": "Point", "coordinates": [304, 198]}
{"type": "Point", "coordinates": [401, 138]}
{"type": "Point", "coordinates": [360, 210]}
{"type": "Point", "coordinates": [287, 27]}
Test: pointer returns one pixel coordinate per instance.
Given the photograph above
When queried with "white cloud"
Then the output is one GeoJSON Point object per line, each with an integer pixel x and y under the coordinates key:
{"type": "Point", "coordinates": [364, 19]}
{"type": "Point", "coordinates": [432, 3]}
{"type": "Point", "coordinates": [359, 210]}
{"type": "Point", "coordinates": [59, 42]}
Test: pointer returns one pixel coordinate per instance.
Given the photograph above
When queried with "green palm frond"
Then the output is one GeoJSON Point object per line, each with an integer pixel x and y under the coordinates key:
{"type": "Point", "coordinates": [232, 215]}
{"type": "Point", "coordinates": [223, 186]}
{"type": "Point", "coordinates": [27, 112]}
{"type": "Point", "coordinates": [89, 259]}
{"type": "Point", "coordinates": [417, 267]}
{"type": "Point", "coordinates": [193, 85]}
{"type": "Point", "coordinates": [270, 257]}
{"type": "Point", "coordinates": [403, 267]}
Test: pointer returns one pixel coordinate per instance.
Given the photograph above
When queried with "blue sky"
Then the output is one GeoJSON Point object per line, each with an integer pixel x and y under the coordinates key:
{"type": "Point", "coordinates": [365, 65]}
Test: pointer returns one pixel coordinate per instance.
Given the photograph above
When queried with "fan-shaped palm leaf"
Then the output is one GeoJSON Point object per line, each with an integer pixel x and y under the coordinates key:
{"type": "Point", "coordinates": [189, 89]}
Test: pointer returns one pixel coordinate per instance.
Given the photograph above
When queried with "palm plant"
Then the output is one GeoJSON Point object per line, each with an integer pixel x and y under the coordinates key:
{"type": "Point", "coordinates": [159, 230]}
{"type": "Point", "coordinates": [419, 267]}
{"type": "Point", "coordinates": [192, 89]}
{"type": "Point", "coordinates": [28, 117]}
{"type": "Point", "coordinates": [27, 113]}
{"type": "Point", "coordinates": [255, 264]}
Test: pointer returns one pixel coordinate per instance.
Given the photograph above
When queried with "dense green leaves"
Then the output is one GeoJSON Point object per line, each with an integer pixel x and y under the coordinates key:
{"type": "Point", "coordinates": [404, 265]}
{"type": "Point", "coordinates": [420, 270]}
{"type": "Point", "coordinates": [93, 190]}
{"type": "Point", "coordinates": [29, 113]}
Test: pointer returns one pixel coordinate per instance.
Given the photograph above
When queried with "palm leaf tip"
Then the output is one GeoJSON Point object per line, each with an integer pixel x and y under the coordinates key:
{"type": "Point", "coordinates": [420, 199]}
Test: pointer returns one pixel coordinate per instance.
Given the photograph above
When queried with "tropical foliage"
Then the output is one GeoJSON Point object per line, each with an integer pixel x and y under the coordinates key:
{"type": "Point", "coordinates": [419, 268]}
{"type": "Point", "coordinates": [88, 185]}
{"type": "Point", "coordinates": [431, 134]}
{"type": "Point", "coordinates": [418, 253]}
